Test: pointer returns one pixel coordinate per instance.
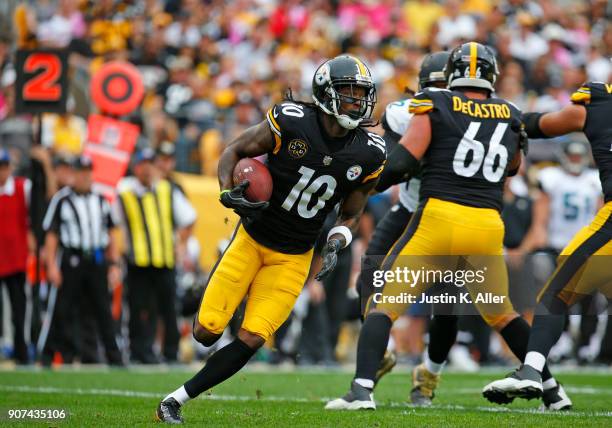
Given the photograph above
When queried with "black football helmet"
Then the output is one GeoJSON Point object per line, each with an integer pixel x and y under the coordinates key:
{"type": "Point", "coordinates": [432, 69]}
{"type": "Point", "coordinates": [472, 65]}
{"type": "Point", "coordinates": [343, 71]}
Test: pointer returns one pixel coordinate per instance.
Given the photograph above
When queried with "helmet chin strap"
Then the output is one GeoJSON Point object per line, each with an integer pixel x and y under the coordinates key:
{"type": "Point", "coordinates": [344, 120]}
{"type": "Point", "coordinates": [347, 122]}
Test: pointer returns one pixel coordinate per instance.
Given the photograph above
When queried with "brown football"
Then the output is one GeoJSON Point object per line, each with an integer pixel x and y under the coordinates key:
{"type": "Point", "coordinates": [260, 180]}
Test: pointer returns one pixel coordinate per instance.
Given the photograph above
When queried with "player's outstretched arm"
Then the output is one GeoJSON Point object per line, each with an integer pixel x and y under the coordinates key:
{"type": "Point", "coordinates": [571, 118]}
{"type": "Point", "coordinates": [341, 234]}
{"type": "Point", "coordinates": [255, 141]}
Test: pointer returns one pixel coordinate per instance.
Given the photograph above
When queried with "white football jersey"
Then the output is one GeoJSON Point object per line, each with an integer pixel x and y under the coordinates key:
{"type": "Point", "coordinates": [398, 118]}
{"type": "Point", "coordinates": [573, 202]}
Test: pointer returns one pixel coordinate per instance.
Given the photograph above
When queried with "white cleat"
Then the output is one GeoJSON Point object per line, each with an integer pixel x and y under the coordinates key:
{"type": "Point", "coordinates": [524, 383]}
{"type": "Point", "coordinates": [358, 398]}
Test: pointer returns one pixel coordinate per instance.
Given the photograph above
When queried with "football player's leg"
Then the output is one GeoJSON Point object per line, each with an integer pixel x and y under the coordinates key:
{"type": "Point", "coordinates": [227, 285]}
{"type": "Point", "coordinates": [580, 271]}
{"type": "Point", "coordinates": [387, 232]}
{"type": "Point", "coordinates": [442, 335]}
{"type": "Point", "coordinates": [382, 312]}
{"type": "Point", "coordinates": [583, 268]}
{"type": "Point", "coordinates": [501, 316]}
{"type": "Point", "coordinates": [371, 346]}
{"type": "Point", "coordinates": [273, 294]}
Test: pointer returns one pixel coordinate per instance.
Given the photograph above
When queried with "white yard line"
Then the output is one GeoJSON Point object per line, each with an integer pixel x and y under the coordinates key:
{"type": "Point", "coordinates": [407, 408]}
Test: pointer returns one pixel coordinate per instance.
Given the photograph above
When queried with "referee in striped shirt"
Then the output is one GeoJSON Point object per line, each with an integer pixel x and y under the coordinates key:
{"type": "Point", "coordinates": [82, 258]}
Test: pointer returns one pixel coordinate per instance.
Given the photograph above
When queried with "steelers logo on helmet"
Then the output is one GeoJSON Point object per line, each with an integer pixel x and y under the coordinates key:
{"type": "Point", "coordinates": [322, 75]}
{"type": "Point", "coordinates": [472, 65]}
{"type": "Point", "coordinates": [343, 87]}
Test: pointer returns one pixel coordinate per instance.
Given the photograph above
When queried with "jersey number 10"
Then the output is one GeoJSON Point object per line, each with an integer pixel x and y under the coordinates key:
{"type": "Point", "coordinates": [305, 193]}
{"type": "Point", "coordinates": [496, 149]}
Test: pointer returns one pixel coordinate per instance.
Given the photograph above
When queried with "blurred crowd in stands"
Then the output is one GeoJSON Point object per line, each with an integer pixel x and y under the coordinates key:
{"type": "Point", "coordinates": [212, 68]}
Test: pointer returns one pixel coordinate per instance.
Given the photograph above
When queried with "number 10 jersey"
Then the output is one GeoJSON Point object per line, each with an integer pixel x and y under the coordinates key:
{"type": "Point", "coordinates": [311, 173]}
{"type": "Point", "coordinates": [472, 145]}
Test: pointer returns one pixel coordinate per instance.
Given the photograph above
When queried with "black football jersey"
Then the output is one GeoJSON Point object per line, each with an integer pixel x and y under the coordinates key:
{"type": "Point", "coordinates": [472, 145]}
{"type": "Point", "coordinates": [309, 179]}
{"type": "Point", "coordinates": [597, 99]}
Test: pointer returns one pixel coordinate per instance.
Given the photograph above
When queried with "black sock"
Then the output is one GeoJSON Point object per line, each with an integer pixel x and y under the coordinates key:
{"type": "Point", "coordinates": [442, 336]}
{"type": "Point", "coordinates": [516, 334]}
{"type": "Point", "coordinates": [372, 344]}
{"type": "Point", "coordinates": [222, 365]}
{"type": "Point", "coordinates": [545, 332]}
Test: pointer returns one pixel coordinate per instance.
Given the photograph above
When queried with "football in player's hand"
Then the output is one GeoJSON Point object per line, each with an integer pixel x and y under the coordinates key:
{"type": "Point", "coordinates": [260, 180]}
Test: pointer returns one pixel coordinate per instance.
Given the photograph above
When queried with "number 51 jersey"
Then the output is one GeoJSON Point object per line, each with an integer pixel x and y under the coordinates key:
{"type": "Point", "coordinates": [311, 174]}
{"type": "Point", "coordinates": [472, 145]}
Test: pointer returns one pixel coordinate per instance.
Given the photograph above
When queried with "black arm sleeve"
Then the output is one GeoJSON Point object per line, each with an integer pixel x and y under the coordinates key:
{"type": "Point", "coordinates": [532, 125]}
{"type": "Point", "coordinates": [400, 166]}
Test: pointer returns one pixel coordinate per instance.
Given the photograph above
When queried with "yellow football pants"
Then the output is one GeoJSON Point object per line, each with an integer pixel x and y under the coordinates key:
{"type": "Point", "coordinates": [584, 265]}
{"type": "Point", "coordinates": [445, 236]}
{"type": "Point", "coordinates": [271, 280]}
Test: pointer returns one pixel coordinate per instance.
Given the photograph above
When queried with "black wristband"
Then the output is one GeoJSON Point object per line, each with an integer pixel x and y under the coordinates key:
{"type": "Point", "coordinates": [532, 125]}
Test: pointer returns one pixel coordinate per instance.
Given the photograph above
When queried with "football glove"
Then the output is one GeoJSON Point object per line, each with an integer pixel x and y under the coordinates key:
{"type": "Point", "coordinates": [519, 127]}
{"type": "Point", "coordinates": [235, 200]}
{"type": "Point", "coordinates": [330, 258]}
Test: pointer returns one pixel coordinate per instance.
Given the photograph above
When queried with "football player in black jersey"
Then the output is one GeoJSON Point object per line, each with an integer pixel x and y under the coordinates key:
{"type": "Point", "coordinates": [394, 121]}
{"type": "Point", "coordinates": [583, 266]}
{"type": "Point", "coordinates": [465, 143]}
{"type": "Point", "coordinates": [319, 156]}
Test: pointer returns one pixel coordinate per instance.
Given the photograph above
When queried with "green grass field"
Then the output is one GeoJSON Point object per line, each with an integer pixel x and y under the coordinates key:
{"type": "Point", "coordinates": [126, 398]}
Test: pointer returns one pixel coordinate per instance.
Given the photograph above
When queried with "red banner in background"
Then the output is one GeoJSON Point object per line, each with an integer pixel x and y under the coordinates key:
{"type": "Point", "coordinates": [110, 144]}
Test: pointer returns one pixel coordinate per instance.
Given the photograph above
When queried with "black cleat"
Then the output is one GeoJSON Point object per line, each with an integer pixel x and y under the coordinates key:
{"type": "Point", "coordinates": [169, 411]}
{"type": "Point", "coordinates": [525, 382]}
{"type": "Point", "coordinates": [556, 399]}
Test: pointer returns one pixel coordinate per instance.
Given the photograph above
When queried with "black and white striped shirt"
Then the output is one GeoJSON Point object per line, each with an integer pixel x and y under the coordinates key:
{"type": "Point", "coordinates": [82, 221]}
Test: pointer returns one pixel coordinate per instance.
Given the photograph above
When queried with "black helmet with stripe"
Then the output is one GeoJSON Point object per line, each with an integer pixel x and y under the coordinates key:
{"type": "Point", "coordinates": [472, 65]}
{"type": "Point", "coordinates": [345, 71]}
{"type": "Point", "coordinates": [432, 69]}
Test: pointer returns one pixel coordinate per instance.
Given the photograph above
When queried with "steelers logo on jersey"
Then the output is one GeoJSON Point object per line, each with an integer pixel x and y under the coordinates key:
{"type": "Point", "coordinates": [297, 148]}
{"type": "Point", "coordinates": [353, 172]}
